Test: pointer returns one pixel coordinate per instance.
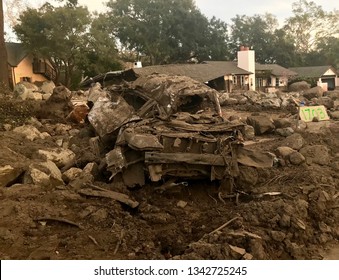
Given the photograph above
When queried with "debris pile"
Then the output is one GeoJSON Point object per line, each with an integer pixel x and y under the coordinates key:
{"type": "Point", "coordinates": [157, 168]}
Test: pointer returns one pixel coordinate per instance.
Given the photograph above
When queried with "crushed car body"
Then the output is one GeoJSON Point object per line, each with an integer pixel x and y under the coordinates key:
{"type": "Point", "coordinates": [170, 126]}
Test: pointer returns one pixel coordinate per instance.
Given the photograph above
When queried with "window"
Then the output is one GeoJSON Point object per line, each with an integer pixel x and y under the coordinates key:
{"type": "Point", "coordinates": [25, 79]}
{"type": "Point", "coordinates": [276, 81]}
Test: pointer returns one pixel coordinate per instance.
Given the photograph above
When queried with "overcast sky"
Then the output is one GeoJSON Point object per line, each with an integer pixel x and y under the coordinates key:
{"type": "Point", "coordinates": [227, 9]}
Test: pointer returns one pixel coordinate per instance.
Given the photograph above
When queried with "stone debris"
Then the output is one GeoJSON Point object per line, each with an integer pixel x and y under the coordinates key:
{"type": "Point", "coordinates": [8, 175]}
{"type": "Point", "coordinates": [60, 156]}
{"type": "Point", "coordinates": [159, 162]}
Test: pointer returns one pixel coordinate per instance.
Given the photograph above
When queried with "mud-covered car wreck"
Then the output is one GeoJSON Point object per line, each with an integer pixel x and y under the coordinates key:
{"type": "Point", "coordinates": [170, 127]}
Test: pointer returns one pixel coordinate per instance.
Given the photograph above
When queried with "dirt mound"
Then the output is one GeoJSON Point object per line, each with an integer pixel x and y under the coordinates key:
{"type": "Point", "coordinates": [287, 211]}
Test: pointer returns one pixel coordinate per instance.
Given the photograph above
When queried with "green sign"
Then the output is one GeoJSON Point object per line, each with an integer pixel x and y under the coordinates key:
{"type": "Point", "coordinates": [308, 113]}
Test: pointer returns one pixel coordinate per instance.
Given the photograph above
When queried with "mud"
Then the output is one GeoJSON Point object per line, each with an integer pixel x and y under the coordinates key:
{"type": "Point", "coordinates": [285, 212]}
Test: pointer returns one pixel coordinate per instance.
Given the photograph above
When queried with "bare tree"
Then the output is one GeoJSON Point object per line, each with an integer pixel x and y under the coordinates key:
{"type": "Point", "coordinates": [3, 53]}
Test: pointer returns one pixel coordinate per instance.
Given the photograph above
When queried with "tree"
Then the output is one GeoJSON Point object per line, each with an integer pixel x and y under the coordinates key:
{"type": "Point", "coordinates": [257, 32]}
{"type": "Point", "coordinates": [282, 50]}
{"type": "Point", "coordinates": [57, 34]}
{"type": "Point", "coordinates": [3, 53]}
{"type": "Point", "coordinates": [217, 40]}
{"type": "Point", "coordinates": [164, 31]}
{"type": "Point", "coordinates": [309, 24]}
{"type": "Point", "coordinates": [328, 51]}
{"type": "Point", "coordinates": [101, 54]}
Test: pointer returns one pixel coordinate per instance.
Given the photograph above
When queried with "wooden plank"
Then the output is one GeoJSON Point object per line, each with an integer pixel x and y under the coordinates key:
{"type": "Point", "coordinates": [200, 159]}
{"type": "Point", "coordinates": [110, 194]}
{"type": "Point", "coordinates": [217, 127]}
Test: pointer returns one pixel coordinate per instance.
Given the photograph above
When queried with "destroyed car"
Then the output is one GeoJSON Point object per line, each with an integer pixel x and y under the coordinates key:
{"type": "Point", "coordinates": [170, 126]}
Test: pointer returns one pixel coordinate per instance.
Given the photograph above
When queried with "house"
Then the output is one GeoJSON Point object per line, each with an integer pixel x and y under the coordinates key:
{"type": "Point", "coordinates": [270, 77]}
{"type": "Point", "coordinates": [23, 66]}
{"type": "Point", "coordinates": [243, 74]}
{"type": "Point", "coordinates": [220, 75]}
{"type": "Point", "coordinates": [325, 76]}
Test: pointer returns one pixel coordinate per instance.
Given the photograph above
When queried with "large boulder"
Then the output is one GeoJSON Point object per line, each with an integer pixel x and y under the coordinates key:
{"type": "Point", "coordinates": [252, 96]}
{"type": "Point", "coordinates": [47, 87]}
{"type": "Point", "coordinates": [295, 141]}
{"type": "Point", "coordinates": [95, 92]}
{"type": "Point", "coordinates": [314, 92]}
{"type": "Point", "coordinates": [326, 101]}
{"type": "Point", "coordinates": [262, 124]}
{"type": "Point", "coordinates": [60, 94]}
{"type": "Point", "coordinates": [21, 92]}
{"type": "Point", "coordinates": [34, 96]}
{"type": "Point", "coordinates": [8, 174]}
{"type": "Point", "coordinates": [316, 154]}
{"type": "Point", "coordinates": [334, 115]}
{"type": "Point", "coordinates": [282, 123]}
{"type": "Point", "coordinates": [296, 158]}
{"type": "Point", "coordinates": [299, 86]}
{"type": "Point", "coordinates": [29, 132]}
{"type": "Point", "coordinates": [61, 157]}
{"type": "Point", "coordinates": [43, 174]}
{"type": "Point", "coordinates": [223, 96]}
{"type": "Point", "coordinates": [269, 103]}
{"type": "Point", "coordinates": [58, 105]}
{"type": "Point", "coordinates": [284, 132]}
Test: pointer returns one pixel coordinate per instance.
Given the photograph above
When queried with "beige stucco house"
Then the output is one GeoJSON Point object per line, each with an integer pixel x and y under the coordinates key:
{"type": "Point", "coordinates": [23, 66]}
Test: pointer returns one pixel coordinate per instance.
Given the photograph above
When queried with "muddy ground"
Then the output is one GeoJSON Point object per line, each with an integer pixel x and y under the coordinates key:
{"type": "Point", "coordinates": [299, 220]}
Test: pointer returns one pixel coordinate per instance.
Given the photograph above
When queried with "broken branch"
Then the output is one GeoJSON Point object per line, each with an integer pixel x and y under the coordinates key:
{"type": "Point", "coordinates": [123, 198]}
{"type": "Point", "coordinates": [224, 225]}
{"type": "Point", "coordinates": [61, 220]}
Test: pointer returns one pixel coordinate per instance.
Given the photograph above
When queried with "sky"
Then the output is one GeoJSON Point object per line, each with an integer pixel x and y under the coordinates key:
{"type": "Point", "coordinates": [228, 9]}
{"type": "Point", "coordinates": [224, 9]}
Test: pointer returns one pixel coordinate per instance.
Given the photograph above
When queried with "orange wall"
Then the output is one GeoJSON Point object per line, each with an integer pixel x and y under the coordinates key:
{"type": "Point", "coordinates": [25, 69]}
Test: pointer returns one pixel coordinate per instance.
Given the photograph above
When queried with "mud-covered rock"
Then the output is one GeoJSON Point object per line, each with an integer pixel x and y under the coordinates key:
{"type": "Point", "coordinates": [278, 236]}
{"type": "Point", "coordinates": [249, 133]}
{"type": "Point", "coordinates": [326, 101]}
{"type": "Point", "coordinates": [29, 132]}
{"type": "Point", "coordinates": [285, 132]}
{"type": "Point", "coordinates": [248, 177]}
{"type": "Point", "coordinates": [58, 105]}
{"type": "Point", "coordinates": [8, 175]}
{"type": "Point", "coordinates": [71, 174]}
{"type": "Point", "coordinates": [316, 154]}
{"type": "Point", "coordinates": [261, 124]}
{"type": "Point", "coordinates": [294, 141]}
{"type": "Point", "coordinates": [47, 87]}
{"type": "Point", "coordinates": [43, 174]}
{"type": "Point", "coordinates": [282, 123]}
{"type": "Point", "coordinates": [334, 115]}
{"type": "Point", "coordinates": [296, 158]}
{"type": "Point", "coordinates": [61, 157]}
{"type": "Point", "coordinates": [299, 86]}
{"type": "Point", "coordinates": [284, 152]}
{"type": "Point", "coordinates": [314, 92]}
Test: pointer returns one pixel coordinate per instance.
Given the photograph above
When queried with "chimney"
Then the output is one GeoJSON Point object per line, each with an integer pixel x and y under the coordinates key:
{"type": "Point", "coordinates": [137, 64]}
{"type": "Point", "coordinates": [246, 61]}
